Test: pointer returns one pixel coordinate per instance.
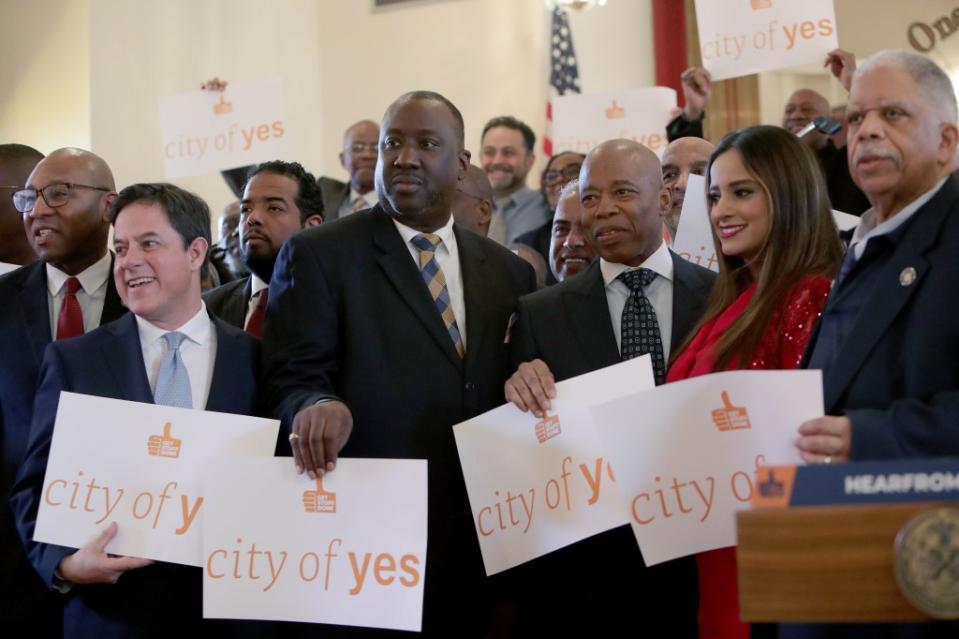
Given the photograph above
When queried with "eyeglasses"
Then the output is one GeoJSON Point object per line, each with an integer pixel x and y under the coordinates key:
{"type": "Point", "coordinates": [359, 147]}
{"type": "Point", "coordinates": [567, 173]}
{"type": "Point", "coordinates": [56, 194]}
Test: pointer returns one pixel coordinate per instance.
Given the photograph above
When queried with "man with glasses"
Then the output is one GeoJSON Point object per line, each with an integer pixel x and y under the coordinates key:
{"type": "Point", "coordinates": [65, 210]}
{"type": "Point", "coordinates": [358, 157]}
{"type": "Point", "coordinates": [16, 162]}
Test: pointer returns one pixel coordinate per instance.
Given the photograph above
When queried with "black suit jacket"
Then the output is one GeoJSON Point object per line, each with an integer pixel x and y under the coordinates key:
{"type": "Point", "coordinates": [568, 326]}
{"type": "Point", "coordinates": [108, 362]}
{"type": "Point", "coordinates": [334, 194]}
{"type": "Point", "coordinates": [231, 301]}
{"type": "Point", "coordinates": [24, 334]}
{"type": "Point", "coordinates": [896, 375]}
{"type": "Point", "coordinates": [350, 317]}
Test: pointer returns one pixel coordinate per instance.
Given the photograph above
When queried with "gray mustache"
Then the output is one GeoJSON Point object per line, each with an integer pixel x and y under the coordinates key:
{"type": "Point", "coordinates": [867, 151]}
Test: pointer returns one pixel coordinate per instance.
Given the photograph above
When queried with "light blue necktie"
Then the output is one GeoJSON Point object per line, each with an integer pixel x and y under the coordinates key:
{"type": "Point", "coordinates": [173, 382]}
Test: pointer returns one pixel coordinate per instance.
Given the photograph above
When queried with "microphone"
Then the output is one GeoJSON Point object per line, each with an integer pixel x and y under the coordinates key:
{"type": "Point", "coordinates": [821, 124]}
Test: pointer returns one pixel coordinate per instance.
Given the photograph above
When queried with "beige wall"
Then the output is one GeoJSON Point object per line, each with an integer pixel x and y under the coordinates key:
{"type": "Point", "coordinates": [44, 64]}
{"type": "Point", "coordinates": [341, 60]}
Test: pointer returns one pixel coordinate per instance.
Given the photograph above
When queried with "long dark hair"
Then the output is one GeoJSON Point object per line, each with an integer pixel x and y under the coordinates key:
{"type": "Point", "coordinates": [802, 241]}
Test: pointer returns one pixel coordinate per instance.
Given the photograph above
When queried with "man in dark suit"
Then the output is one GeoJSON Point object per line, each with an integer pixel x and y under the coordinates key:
{"type": "Point", "coordinates": [886, 341]}
{"type": "Point", "coordinates": [358, 157]}
{"type": "Point", "coordinates": [161, 238]}
{"type": "Point", "coordinates": [588, 322]}
{"type": "Point", "coordinates": [279, 199]}
{"type": "Point", "coordinates": [65, 208]}
{"type": "Point", "coordinates": [357, 342]}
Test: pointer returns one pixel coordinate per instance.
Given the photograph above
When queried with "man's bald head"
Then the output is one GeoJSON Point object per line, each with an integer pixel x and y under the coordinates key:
{"type": "Point", "coordinates": [73, 235]}
{"type": "Point", "coordinates": [802, 107]}
{"type": "Point", "coordinates": [473, 202]}
{"type": "Point", "coordinates": [623, 197]}
{"type": "Point", "coordinates": [682, 158]}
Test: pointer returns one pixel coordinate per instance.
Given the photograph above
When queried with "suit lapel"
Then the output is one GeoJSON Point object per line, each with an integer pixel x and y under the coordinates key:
{"type": "Point", "coordinates": [225, 366]}
{"type": "Point", "coordinates": [113, 307]}
{"type": "Point", "coordinates": [587, 311]}
{"type": "Point", "coordinates": [399, 269]}
{"type": "Point", "coordinates": [124, 357]}
{"type": "Point", "coordinates": [889, 296]}
{"type": "Point", "coordinates": [34, 310]}
{"type": "Point", "coordinates": [688, 301]}
{"type": "Point", "coordinates": [478, 287]}
{"type": "Point", "coordinates": [237, 304]}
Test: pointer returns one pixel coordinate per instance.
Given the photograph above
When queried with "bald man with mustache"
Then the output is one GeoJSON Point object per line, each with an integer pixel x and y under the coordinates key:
{"type": "Point", "coordinates": [581, 325]}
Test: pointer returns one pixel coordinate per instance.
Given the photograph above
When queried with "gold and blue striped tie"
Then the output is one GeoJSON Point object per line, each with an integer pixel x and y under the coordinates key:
{"type": "Point", "coordinates": [426, 244]}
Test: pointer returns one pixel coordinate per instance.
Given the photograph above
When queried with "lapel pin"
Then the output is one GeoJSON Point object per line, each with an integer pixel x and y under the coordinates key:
{"type": "Point", "coordinates": [907, 276]}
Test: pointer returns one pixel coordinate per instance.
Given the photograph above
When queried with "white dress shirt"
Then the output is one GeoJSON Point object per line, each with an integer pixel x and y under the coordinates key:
{"type": "Point", "coordinates": [370, 199]}
{"type": "Point", "coordinates": [91, 295]}
{"type": "Point", "coordinates": [659, 292]}
{"type": "Point", "coordinates": [448, 257]}
{"type": "Point", "coordinates": [256, 285]}
{"type": "Point", "coordinates": [198, 352]}
{"type": "Point", "coordinates": [868, 229]}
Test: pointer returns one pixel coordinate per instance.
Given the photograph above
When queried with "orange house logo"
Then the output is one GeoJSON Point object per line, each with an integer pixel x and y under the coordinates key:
{"type": "Point", "coordinates": [775, 486]}
{"type": "Point", "coordinates": [760, 4]}
{"type": "Point", "coordinates": [615, 112]}
{"type": "Point", "coordinates": [319, 500]}
{"type": "Point", "coordinates": [730, 417]}
{"type": "Point", "coordinates": [164, 445]}
{"type": "Point", "coordinates": [222, 107]}
{"type": "Point", "coordinates": [547, 428]}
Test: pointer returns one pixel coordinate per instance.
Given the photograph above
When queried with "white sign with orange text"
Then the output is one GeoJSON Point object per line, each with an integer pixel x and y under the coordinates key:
{"type": "Point", "coordinates": [581, 122]}
{"type": "Point", "coordinates": [739, 37]}
{"type": "Point", "coordinates": [6, 268]}
{"type": "Point", "coordinates": [347, 549]}
{"type": "Point", "coordinates": [686, 453]}
{"type": "Point", "coordinates": [140, 466]}
{"type": "Point", "coordinates": [204, 131]}
{"type": "Point", "coordinates": [694, 237]}
{"type": "Point", "coordinates": [538, 484]}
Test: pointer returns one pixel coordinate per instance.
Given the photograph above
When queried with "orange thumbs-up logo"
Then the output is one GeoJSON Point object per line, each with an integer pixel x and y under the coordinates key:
{"type": "Point", "coordinates": [547, 428]}
{"type": "Point", "coordinates": [319, 500]}
{"type": "Point", "coordinates": [760, 4]}
{"type": "Point", "coordinates": [164, 445]}
{"type": "Point", "coordinates": [222, 107]}
{"type": "Point", "coordinates": [730, 417]}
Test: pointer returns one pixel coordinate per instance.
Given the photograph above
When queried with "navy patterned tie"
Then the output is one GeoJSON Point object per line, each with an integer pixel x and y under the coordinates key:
{"type": "Point", "coordinates": [426, 244]}
{"type": "Point", "coordinates": [639, 328]}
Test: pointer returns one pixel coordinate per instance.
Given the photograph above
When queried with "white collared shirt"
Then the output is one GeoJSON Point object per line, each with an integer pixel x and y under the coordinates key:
{"type": "Point", "coordinates": [868, 229]}
{"type": "Point", "coordinates": [91, 295]}
{"type": "Point", "coordinates": [198, 352]}
{"type": "Point", "coordinates": [448, 257]}
{"type": "Point", "coordinates": [370, 199]}
{"type": "Point", "coordinates": [659, 292]}
{"type": "Point", "coordinates": [256, 285]}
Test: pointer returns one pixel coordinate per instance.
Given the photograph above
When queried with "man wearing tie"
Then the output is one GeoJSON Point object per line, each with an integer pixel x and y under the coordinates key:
{"type": "Point", "coordinates": [169, 350]}
{"type": "Point", "coordinates": [279, 199]}
{"type": "Point", "coordinates": [638, 298]}
{"type": "Point", "coordinates": [66, 210]}
{"type": "Point", "coordinates": [390, 325]}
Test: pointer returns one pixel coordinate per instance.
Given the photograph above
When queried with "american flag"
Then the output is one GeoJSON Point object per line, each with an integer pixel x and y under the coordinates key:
{"type": "Point", "coordinates": [563, 71]}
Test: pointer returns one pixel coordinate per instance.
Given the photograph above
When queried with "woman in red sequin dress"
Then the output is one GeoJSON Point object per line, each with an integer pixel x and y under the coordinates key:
{"type": "Point", "coordinates": [778, 250]}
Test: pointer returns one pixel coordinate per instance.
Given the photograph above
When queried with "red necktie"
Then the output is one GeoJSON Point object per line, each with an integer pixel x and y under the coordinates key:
{"type": "Point", "coordinates": [70, 322]}
{"type": "Point", "coordinates": [255, 324]}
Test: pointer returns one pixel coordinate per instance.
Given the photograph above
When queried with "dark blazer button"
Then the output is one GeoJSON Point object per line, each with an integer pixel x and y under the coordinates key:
{"type": "Point", "coordinates": [470, 386]}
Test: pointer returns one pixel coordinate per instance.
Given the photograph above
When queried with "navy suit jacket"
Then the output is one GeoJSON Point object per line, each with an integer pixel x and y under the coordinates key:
{"type": "Point", "coordinates": [24, 334]}
{"type": "Point", "coordinates": [351, 318]}
{"type": "Point", "coordinates": [231, 301]}
{"type": "Point", "coordinates": [108, 362]}
{"type": "Point", "coordinates": [568, 326]}
{"type": "Point", "coordinates": [896, 376]}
